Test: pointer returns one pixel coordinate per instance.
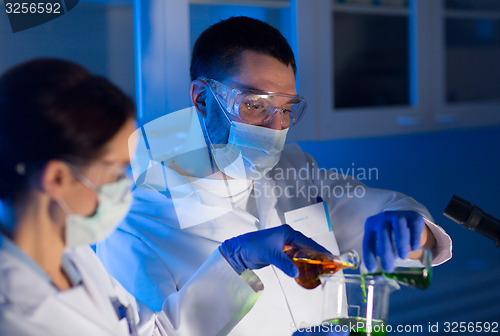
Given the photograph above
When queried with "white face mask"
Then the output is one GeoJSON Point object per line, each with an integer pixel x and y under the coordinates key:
{"type": "Point", "coordinates": [114, 203]}
{"type": "Point", "coordinates": [251, 151]}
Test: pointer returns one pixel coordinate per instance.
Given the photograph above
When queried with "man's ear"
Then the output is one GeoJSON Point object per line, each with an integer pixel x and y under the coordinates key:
{"type": "Point", "coordinates": [198, 93]}
{"type": "Point", "coordinates": [55, 178]}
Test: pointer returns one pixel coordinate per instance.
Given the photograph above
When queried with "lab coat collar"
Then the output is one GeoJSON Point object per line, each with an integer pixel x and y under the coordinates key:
{"type": "Point", "coordinates": [19, 276]}
{"type": "Point", "coordinates": [173, 137]}
{"type": "Point", "coordinates": [67, 265]}
{"type": "Point", "coordinates": [9, 247]}
{"type": "Point", "coordinates": [37, 300]}
{"type": "Point", "coordinates": [178, 137]}
{"type": "Point", "coordinates": [266, 203]}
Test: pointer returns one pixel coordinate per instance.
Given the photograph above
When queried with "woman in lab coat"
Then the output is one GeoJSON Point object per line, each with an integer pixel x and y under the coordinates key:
{"type": "Point", "coordinates": [64, 145]}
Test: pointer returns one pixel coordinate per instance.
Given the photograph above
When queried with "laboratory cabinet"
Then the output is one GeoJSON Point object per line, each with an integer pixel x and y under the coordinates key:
{"type": "Point", "coordinates": [366, 67]}
{"type": "Point", "coordinates": [97, 34]}
{"type": "Point", "coordinates": [402, 66]}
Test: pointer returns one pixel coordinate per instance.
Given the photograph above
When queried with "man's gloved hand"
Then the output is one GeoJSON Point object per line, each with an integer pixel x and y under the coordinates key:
{"type": "Point", "coordinates": [257, 249]}
{"type": "Point", "coordinates": [390, 234]}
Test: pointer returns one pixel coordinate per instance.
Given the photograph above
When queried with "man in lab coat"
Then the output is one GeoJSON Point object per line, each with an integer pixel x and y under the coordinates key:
{"type": "Point", "coordinates": [220, 168]}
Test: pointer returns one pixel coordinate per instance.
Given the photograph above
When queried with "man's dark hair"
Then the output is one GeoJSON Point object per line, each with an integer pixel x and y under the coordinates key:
{"type": "Point", "coordinates": [217, 51]}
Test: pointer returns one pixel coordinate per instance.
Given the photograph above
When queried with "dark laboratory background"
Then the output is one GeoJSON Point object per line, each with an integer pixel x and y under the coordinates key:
{"type": "Point", "coordinates": [410, 88]}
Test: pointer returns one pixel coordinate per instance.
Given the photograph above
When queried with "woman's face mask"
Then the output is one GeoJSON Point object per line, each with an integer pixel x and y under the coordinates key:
{"type": "Point", "coordinates": [114, 200]}
{"type": "Point", "coordinates": [251, 151]}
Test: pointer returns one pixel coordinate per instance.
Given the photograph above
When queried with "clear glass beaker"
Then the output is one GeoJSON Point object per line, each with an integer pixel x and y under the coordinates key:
{"type": "Point", "coordinates": [357, 304]}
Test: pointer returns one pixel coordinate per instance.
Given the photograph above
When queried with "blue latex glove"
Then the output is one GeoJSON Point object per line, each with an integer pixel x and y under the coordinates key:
{"type": "Point", "coordinates": [390, 234]}
{"type": "Point", "coordinates": [257, 249]}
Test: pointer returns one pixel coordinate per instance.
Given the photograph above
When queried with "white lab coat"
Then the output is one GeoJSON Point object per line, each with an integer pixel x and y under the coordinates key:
{"type": "Point", "coordinates": [171, 234]}
{"type": "Point", "coordinates": [31, 305]}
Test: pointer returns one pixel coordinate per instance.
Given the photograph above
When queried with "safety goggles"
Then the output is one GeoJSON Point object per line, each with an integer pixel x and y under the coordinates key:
{"type": "Point", "coordinates": [111, 193]}
{"type": "Point", "coordinates": [257, 107]}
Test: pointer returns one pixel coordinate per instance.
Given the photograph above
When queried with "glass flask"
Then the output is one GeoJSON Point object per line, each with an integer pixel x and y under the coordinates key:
{"type": "Point", "coordinates": [416, 277]}
{"type": "Point", "coordinates": [312, 264]}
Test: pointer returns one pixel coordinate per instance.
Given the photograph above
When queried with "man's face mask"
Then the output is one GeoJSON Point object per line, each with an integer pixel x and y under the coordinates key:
{"type": "Point", "coordinates": [252, 150]}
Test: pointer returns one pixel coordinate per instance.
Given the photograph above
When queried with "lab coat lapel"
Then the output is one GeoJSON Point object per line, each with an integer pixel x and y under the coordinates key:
{"type": "Point", "coordinates": [231, 224]}
{"type": "Point", "coordinates": [17, 281]}
{"type": "Point", "coordinates": [95, 293]}
{"type": "Point", "coordinates": [44, 305]}
{"type": "Point", "coordinates": [264, 193]}
{"type": "Point", "coordinates": [72, 307]}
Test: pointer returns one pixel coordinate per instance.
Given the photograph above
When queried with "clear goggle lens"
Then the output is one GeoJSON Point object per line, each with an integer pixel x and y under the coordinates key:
{"type": "Point", "coordinates": [116, 189]}
{"type": "Point", "coordinates": [257, 107]}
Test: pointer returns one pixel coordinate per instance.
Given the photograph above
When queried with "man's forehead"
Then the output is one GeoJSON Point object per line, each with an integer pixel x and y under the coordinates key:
{"type": "Point", "coordinates": [263, 72]}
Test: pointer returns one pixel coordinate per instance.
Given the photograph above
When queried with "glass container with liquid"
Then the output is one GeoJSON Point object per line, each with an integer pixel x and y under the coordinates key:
{"type": "Point", "coordinates": [312, 264]}
{"type": "Point", "coordinates": [416, 277]}
{"type": "Point", "coordinates": [357, 303]}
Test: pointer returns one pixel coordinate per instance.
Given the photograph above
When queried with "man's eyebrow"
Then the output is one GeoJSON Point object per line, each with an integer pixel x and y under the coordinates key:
{"type": "Point", "coordinates": [242, 86]}
{"type": "Point", "coordinates": [111, 162]}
